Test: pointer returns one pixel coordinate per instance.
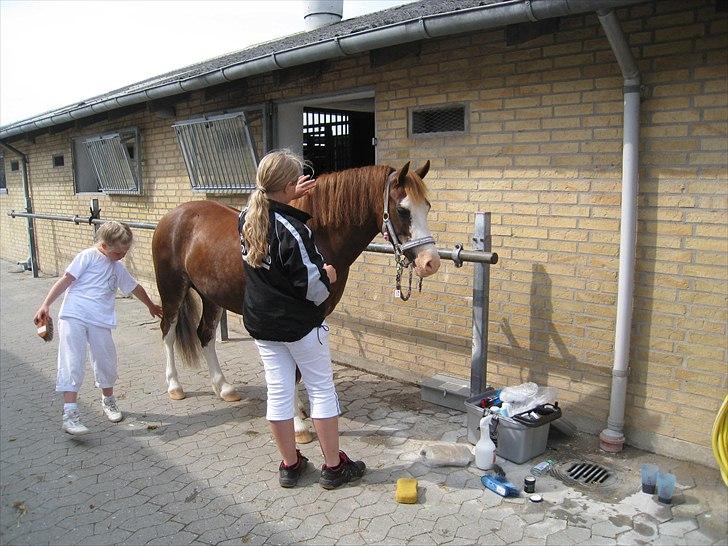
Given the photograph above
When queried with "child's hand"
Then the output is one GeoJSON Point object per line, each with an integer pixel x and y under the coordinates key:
{"type": "Point", "coordinates": [155, 310]}
{"type": "Point", "coordinates": [303, 186]}
{"type": "Point", "coordinates": [330, 273]}
{"type": "Point", "coordinates": [41, 315]}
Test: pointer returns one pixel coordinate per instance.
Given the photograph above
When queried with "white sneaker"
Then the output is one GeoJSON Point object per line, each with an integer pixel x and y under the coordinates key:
{"type": "Point", "coordinates": [72, 423]}
{"type": "Point", "coordinates": [110, 409]}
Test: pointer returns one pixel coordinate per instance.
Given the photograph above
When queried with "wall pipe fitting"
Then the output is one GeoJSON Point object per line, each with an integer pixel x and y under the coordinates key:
{"type": "Point", "coordinates": [32, 263]}
{"type": "Point", "coordinates": [612, 437]}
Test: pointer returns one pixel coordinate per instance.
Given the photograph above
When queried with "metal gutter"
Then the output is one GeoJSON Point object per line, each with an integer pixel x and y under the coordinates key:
{"type": "Point", "coordinates": [421, 28]}
{"type": "Point", "coordinates": [612, 437]}
{"type": "Point", "coordinates": [32, 262]}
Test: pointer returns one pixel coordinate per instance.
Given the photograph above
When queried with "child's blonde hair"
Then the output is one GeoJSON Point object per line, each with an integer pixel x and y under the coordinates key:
{"type": "Point", "coordinates": [114, 233]}
{"type": "Point", "coordinates": [275, 170]}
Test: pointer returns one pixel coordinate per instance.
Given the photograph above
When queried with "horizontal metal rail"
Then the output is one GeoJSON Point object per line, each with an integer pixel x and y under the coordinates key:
{"type": "Point", "coordinates": [457, 254]}
{"type": "Point", "coordinates": [76, 219]}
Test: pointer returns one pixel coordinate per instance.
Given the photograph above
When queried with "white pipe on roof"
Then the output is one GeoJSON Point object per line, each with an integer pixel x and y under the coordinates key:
{"type": "Point", "coordinates": [425, 27]}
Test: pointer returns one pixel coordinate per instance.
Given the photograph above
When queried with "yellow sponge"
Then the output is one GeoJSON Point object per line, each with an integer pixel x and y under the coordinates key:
{"type": "Point", "coordinates": [406, 491]}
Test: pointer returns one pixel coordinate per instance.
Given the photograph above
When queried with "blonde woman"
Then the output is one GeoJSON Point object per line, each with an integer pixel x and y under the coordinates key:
{"type": "Point", "coordinates": [286, 285]}
{"type": "Point", "coordinates": [87, 317]}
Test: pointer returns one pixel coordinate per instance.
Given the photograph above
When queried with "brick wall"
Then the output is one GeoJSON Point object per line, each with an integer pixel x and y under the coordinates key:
{"type": "Point", "coordinates": [543, 154]}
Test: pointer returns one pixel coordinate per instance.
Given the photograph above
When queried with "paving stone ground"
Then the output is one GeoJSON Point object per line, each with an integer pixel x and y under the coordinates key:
{"type": "Point", "coordinates": [203, 471]}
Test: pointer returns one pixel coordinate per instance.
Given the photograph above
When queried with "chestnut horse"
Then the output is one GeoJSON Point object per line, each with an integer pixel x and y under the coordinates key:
{"type": "Point", "coordinates": [196, 247]}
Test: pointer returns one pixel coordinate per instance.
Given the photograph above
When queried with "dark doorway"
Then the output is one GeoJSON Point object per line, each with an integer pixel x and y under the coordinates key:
{"type": "Point", "coordinates": [334, 140]}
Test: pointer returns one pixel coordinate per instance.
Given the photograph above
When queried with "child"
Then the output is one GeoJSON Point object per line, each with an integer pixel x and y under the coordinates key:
{"type": "Point", "coordinates": [87, 316]}
{"type": "Point", "coordinates": [286, 284]}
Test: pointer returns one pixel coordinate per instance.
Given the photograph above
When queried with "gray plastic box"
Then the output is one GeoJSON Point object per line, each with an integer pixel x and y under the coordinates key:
{"type": "Point", "coordinates": [516, 442]}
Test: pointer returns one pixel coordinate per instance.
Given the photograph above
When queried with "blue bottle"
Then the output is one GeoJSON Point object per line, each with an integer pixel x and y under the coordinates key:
{"type": "Point", "coordinates": [499, 485]}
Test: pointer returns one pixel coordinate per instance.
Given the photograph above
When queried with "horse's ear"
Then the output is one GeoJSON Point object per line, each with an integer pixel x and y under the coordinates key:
{"type": "Point", "coordinates": [422, 171]}
{"type": "Point", "coordinates": [402, 175]}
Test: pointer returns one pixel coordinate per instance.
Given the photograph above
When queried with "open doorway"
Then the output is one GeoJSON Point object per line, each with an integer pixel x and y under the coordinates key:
{"type": "Point", "coordinates": [334, 140]}
{"type": "Point", "coordinates": [332, 133]}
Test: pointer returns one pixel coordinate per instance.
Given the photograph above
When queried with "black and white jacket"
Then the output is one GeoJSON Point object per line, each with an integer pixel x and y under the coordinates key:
{"type": "Point", "coordinates": [284, 298]}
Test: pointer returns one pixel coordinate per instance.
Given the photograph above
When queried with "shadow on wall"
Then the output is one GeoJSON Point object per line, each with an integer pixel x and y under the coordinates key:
{"type": "Point", "coordinates": [584, 387]}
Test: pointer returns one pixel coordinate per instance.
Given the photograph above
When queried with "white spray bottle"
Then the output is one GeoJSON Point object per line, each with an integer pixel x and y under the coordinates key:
{"type": "Point", "coordinates": [485, 448]}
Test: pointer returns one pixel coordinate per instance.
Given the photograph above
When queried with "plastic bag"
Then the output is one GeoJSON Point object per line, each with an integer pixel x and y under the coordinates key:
{"type": "Point", "coordinates": [446, 454]}
{"type": "Point", "coordinates": [543, 395]}
{"type": "Point", "coordinates": [519, 393]}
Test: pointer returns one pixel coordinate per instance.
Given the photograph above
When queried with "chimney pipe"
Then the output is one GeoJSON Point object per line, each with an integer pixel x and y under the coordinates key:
{"type": "Point", "coordinates": [320, 13]}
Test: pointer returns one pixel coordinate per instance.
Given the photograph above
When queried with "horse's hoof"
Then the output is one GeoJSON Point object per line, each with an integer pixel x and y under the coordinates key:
{"type": "Point", "coordinates": [304, 437]}
{"type": "Point", "coordinates": [231, 396]}
{"type": "Point", "coordinates": [177, 394]}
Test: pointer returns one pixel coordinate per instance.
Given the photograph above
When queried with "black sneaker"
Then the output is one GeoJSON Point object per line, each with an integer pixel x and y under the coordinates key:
{"type": "Point", "coordinates": [288, 475]}
{"type": "Point", "coordinates": [346, 471]}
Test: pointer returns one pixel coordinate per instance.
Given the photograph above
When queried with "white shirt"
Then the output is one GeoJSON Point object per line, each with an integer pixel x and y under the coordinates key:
{"type": "Point", "coordinates": [90, 297]}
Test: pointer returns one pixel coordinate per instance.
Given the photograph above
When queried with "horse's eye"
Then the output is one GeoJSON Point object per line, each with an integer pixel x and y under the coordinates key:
{"type": "Point", "coordinates": [403, 212]}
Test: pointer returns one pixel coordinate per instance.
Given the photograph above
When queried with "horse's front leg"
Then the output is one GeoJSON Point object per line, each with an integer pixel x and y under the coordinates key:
{"type": "Point", "coordinates": [174, 389]}
{"type": "Point", "coordinates": [303, 435]}
{"type": "Point", "coordinates": [219, 384]}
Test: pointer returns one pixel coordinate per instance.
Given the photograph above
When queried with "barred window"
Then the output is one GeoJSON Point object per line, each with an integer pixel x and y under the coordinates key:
{"type": "Point", "coordinates": [442, 119]}
{"type": "Point", "coordinates": [109, 163]}
{"type": "Point", "coordinates": [218, 152]}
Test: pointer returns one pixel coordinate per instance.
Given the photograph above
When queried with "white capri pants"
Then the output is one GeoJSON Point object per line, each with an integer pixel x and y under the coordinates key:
{"type": "Point", "coordinates": [73, 337]}
{"type": "Point", "coordinates": [311, 354]}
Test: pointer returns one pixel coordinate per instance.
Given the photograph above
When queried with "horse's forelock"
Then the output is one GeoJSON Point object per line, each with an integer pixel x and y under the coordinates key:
{"type": "Point", "coordinates": [415, 188]}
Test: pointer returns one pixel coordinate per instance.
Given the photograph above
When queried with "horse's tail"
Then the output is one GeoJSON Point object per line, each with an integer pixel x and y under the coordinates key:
{"type": "Point", "coordinates": [186, 331]}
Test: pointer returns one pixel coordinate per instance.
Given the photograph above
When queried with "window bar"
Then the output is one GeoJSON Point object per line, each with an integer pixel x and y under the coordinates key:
{"type": "Point", "coordinates": [229, 155]}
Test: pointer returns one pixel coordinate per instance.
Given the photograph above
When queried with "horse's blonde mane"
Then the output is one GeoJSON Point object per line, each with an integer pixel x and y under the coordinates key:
{"type": "Point", "coordinates": [347, 197]}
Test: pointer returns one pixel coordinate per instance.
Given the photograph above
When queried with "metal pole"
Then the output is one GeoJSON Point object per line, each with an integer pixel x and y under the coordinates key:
{"type": "Point", "coordinates": [32, 251]}
{"type": "Point", "coordinates": [95, 214]}
{"type": "Point", "coordinates": [481, 287]}
{"type": "Point", "coordinates": [224, 336]}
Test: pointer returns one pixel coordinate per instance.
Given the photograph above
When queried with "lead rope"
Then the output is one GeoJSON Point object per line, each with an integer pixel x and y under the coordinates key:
{"type": "Point", "coordinates": [398, 290]}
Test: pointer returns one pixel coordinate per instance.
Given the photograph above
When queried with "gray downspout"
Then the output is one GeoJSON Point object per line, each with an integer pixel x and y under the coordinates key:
{"type": "Point", "coordinates": [32, 263]}
{"type": "Point", "coordinates": [612, 437]}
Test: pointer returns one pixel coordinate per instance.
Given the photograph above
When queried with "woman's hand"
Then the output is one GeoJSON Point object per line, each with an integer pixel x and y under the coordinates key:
{"type": "Point", "coordinates": [304, 184]}
{"type": "Point", "coordinates": [330, 273]}
{"type": "Point", "coordinates": [41, 315]}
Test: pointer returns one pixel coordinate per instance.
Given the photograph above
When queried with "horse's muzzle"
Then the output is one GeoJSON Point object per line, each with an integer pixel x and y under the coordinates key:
{"type": "Point", "coordinates": [427, 261]}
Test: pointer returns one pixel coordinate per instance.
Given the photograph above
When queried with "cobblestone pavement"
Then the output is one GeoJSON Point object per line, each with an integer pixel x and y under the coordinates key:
{"type": "Point", "coordinates": [203, 471]}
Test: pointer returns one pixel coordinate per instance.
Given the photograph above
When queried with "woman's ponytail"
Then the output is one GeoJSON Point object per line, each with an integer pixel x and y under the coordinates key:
{"type": "Point", "coordinates": [255, 229]}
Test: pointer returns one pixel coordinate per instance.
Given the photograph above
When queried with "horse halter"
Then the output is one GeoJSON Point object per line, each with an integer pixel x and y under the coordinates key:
{"type": "Point", "coordinates": [400, 248]}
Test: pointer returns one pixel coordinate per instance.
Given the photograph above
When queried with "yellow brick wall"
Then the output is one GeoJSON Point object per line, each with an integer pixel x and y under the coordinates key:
{"type": "Point", "coordinates": [543, 154]}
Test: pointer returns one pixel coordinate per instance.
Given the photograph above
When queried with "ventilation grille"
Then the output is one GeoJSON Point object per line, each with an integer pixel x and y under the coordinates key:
{"type": "Point", "coordinates": [586, 473]}
{"type": "Point", "coordinates": [450, 119]}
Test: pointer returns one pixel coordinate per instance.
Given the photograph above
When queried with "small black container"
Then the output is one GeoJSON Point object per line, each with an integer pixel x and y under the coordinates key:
{"type": "Point", "coordinates": [529, 484]}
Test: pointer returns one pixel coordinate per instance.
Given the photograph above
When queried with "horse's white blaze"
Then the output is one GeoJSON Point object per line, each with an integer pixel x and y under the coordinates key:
{"type": "Point", "coordinates": [427, 260]}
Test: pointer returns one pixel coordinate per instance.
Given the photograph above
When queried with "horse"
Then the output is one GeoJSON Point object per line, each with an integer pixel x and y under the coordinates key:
{"type": "Point", "coordinates": [196, 248]}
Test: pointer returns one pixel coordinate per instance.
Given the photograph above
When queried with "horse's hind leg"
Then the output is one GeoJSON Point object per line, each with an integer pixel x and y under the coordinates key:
{"type": "Point", "coordinates": [172, 294]}
{"type": "Point", "coordinates": [174, 389]}
{"type": "Point", "coordinates": [211, 314]}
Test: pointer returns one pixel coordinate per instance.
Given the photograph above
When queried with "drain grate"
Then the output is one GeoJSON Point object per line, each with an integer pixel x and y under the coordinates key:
{"type": "Point", "coordinates": [586, 473]}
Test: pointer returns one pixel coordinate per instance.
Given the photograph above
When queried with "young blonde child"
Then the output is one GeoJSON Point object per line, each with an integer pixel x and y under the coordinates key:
{"type": "Point", "coordinates": [286, 286]}
{"type": "Point", "coordinates": [87, 317]}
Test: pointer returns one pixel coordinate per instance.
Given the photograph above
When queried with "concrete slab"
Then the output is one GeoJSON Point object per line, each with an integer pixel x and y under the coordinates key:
{"type": "Point", "coordinates": [202, 471]}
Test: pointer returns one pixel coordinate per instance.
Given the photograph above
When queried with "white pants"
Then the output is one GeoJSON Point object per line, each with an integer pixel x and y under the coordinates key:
{"type": "Point", "coordinates": [73, 337]}
{"type": "Point", "coordinates": [311, 354]}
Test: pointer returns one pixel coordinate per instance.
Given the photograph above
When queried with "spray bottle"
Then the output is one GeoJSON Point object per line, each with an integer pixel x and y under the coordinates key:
{"type": "Point", "coordinates": [485, 448]}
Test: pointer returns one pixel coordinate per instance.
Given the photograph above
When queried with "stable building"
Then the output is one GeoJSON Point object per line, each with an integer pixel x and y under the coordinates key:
{"type": "Point", "coordinates": [592, 131]}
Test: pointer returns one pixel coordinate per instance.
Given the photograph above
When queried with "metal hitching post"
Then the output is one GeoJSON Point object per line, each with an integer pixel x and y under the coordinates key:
{"type": "Point", "coordinates": [481, 286]}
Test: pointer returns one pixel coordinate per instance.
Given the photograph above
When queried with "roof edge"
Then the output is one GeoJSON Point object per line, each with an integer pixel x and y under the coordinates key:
{"type": "Point", "coordinates": [411, 30]}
